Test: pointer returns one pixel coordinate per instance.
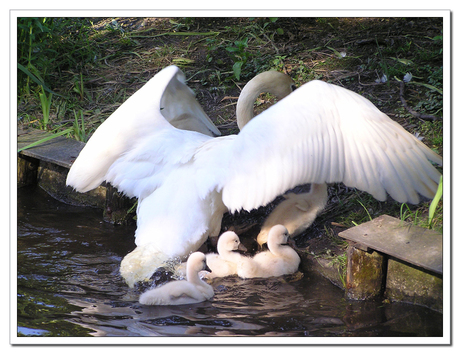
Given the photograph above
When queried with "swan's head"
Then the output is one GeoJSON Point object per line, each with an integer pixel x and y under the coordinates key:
{"type": "Point", "coordinates": [197, 262]}
{"type": "Point", "coordinates": [272, 81]}
{"type": "Point", "coordinates": [278, 236]}
{"type": "Point", "coordinates": [277, 83]}
{"type": "Point", "coordinates": [228, 242]}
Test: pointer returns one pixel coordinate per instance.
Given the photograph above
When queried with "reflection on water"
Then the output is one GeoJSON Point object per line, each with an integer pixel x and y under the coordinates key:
{"type": "Point", "coordinates": [69, 285]}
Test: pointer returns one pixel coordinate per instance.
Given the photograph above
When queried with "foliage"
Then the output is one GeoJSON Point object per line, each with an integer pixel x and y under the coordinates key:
{"type": "Point", "coordinates": [240, 55]}
{"type": "Point", "coordinates": [79, 130]}
{"type": "Point", "coordinates": [434, 204]}
{"type": "Point", "coordinates": [46, 105]}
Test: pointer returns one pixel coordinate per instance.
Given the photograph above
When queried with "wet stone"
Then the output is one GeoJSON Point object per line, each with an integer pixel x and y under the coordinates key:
{"type": "Point", "coordinates": [406, 283]}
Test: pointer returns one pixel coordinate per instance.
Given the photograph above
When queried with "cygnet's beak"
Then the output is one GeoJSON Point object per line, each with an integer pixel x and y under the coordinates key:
{"type": "Point", "coordinates": [206, 268]}
{"type": "Point", "coordinates": [242, 248]}
{"type": "Point", "coordinates": [291, 242]}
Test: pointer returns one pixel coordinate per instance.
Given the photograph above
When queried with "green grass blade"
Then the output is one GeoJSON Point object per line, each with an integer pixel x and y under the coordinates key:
{"type": "Point", "coordinates": [435, 202]}
{"type": "Point", "coordinates": [367, 212]}
{"type": "Point", "coordinates": [44, 140]}
{"type": "Point", "coordinates": [431, 87]}
{"type": "Point", "coordinates": [36, 80]}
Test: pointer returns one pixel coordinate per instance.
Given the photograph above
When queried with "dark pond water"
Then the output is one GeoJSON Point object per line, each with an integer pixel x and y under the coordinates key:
{"type": "Point", "coordinates": [68, 285]}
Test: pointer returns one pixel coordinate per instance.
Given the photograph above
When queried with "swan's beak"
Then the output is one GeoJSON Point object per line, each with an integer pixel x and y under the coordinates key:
{"type": "Point", "coordinates": [291, 243]}
{"type": "Point", "coordinates": [242, 248]}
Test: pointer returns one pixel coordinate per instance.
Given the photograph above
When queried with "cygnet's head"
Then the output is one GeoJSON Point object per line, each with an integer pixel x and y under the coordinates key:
{"type": "Point", "coordinates": [197, 262]}
{"type": "Point", "coordinates": [229, 241]}
{"type": "Point", "coordinates": [278, 235]}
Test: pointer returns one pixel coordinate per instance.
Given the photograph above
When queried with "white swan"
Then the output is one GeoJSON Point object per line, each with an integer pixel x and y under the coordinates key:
{"type": "Point", "coordinates": [181, 292]}
{"type": "Point", "coordinates": [297, 212]}
{"type": "Point", "coordinates": [224, 262]}
{"type": "Point", "coordinates": [278, 260]}
{"type": "Point", "coordinates": [185, 181]}
{"type": "Point", "coordinates": [274, 82]}
{"type": "Point", "coordinates": [181, 109]}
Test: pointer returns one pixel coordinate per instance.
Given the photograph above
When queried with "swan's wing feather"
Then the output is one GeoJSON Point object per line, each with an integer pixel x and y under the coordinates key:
{"type": "Point", "coordinates": [181, 109]}
{"type": "Point", "coordinates": [184, 290]}
{"type": "Point", "coordinates": [325, 133]}
{"type": "Point", "coordinates": [136, 146]}
{"type": "Point", "coordinates": [145, 166]}
{"type": "Point", "coordinates": [135, 119]}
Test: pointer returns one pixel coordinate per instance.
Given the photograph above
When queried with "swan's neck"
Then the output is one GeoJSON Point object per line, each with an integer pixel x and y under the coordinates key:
{"type": "Point", "coordinates": [231, 256]}
{"type": "Point", "coordinates": [281, 250]}
{"type": "Point", "coordinates": [273, 82]}
{"type": "Point", "coordinates": [245, 104]}
{"type": "Point", "coordinates": [193, 277]}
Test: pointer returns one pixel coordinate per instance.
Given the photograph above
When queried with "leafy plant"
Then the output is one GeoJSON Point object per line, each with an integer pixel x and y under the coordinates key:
{"type": "Point", "coordinates": [50, 45]}
{"type": "Point", "coordinates": [32, 35]}
{"type": "Point", "coordinates": [434, 204]}
{"type": "Point", "coordinates": [79, 130]}
{"type": "Point", "coordinates": [46, 105]}
{"type": "Point", "coordinates": [420, 218]}
{"type": "Point", "coordinates": [239, 54]}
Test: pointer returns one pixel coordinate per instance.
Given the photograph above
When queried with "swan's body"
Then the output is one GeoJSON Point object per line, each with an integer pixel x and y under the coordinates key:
{"type": "Point", "coordinates": [225, 262]}
{"type": "Point", "coordinates": [181, 292]}
{"type": "Point", "coordinates": [278, 260]}
{"type": "Point", "coordinates": [185, 180]}
{"type": "Point", "coordinates": [297, 212]}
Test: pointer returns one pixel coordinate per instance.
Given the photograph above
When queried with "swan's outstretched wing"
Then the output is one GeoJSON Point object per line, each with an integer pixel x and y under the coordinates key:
{"type": "Point", "coordinates": [325, 133]}
{"type": "Point", "coordinates": [140, 120]}
{"type": "Point", "coordinates": [181, 109]}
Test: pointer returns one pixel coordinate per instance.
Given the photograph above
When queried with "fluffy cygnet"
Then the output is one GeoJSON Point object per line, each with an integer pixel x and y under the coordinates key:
{"type": "Point", "coordinates": [181, 292]}
{"type": "Point", "coordinates": [279, 259]}
{"type": "Point", "coordinates": [297, 212]}
{"type": "Point", "coordinates": [224, 262]}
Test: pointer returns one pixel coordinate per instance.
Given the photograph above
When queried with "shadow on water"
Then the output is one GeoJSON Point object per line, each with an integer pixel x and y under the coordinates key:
{"type": "Point", "coordinates": [69, 285]}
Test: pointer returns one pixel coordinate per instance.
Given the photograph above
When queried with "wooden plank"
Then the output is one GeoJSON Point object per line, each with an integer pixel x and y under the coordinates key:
{"type": "Point", "coordinates": [60, 151]}
{"type": "Point", "coordinates": [415, 245]}
{"type": "Point", "coordinates": [365, 274]}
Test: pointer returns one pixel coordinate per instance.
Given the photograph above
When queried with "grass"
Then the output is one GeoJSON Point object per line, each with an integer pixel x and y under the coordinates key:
{"type": "Point", "coordinates": [74, 72]}
{"type": "Point", "coordinates": [336, 254]}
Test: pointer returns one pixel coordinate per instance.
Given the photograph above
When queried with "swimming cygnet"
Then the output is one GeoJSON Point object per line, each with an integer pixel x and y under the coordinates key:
{"type": "Point", "coordinates": [224, 262]}
{"type": "Point", "coordinates": [279, 259]}
{"type": "Point", "coordinates": [297, 212]}
{"type": "Point", "coordinates": [181, 292]}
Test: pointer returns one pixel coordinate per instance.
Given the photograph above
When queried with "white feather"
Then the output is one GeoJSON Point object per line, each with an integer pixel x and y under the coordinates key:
{"type": "Point", "coordinates": [186, 180]}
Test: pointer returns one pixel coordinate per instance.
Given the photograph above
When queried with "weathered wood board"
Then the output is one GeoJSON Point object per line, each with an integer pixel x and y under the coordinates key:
{"type": "Point", "coordinates": [412, 244]}
{"type": "Point", "coordinates": [59, 150]}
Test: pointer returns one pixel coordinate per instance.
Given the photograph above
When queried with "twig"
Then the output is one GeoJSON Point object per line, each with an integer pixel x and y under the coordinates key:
{"type": "Point", "coordinates": [410, 110]}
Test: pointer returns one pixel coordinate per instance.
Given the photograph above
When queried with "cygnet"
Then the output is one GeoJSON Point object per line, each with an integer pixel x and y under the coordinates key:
{"type": "Point", "coordinates": [192, 290]}
{"type": "Point", "coordinates": [224, 262]}
{"type": "Point", "coordinates": [278, 260]}
{"type": "Point", "coordinates": [297, 212]}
